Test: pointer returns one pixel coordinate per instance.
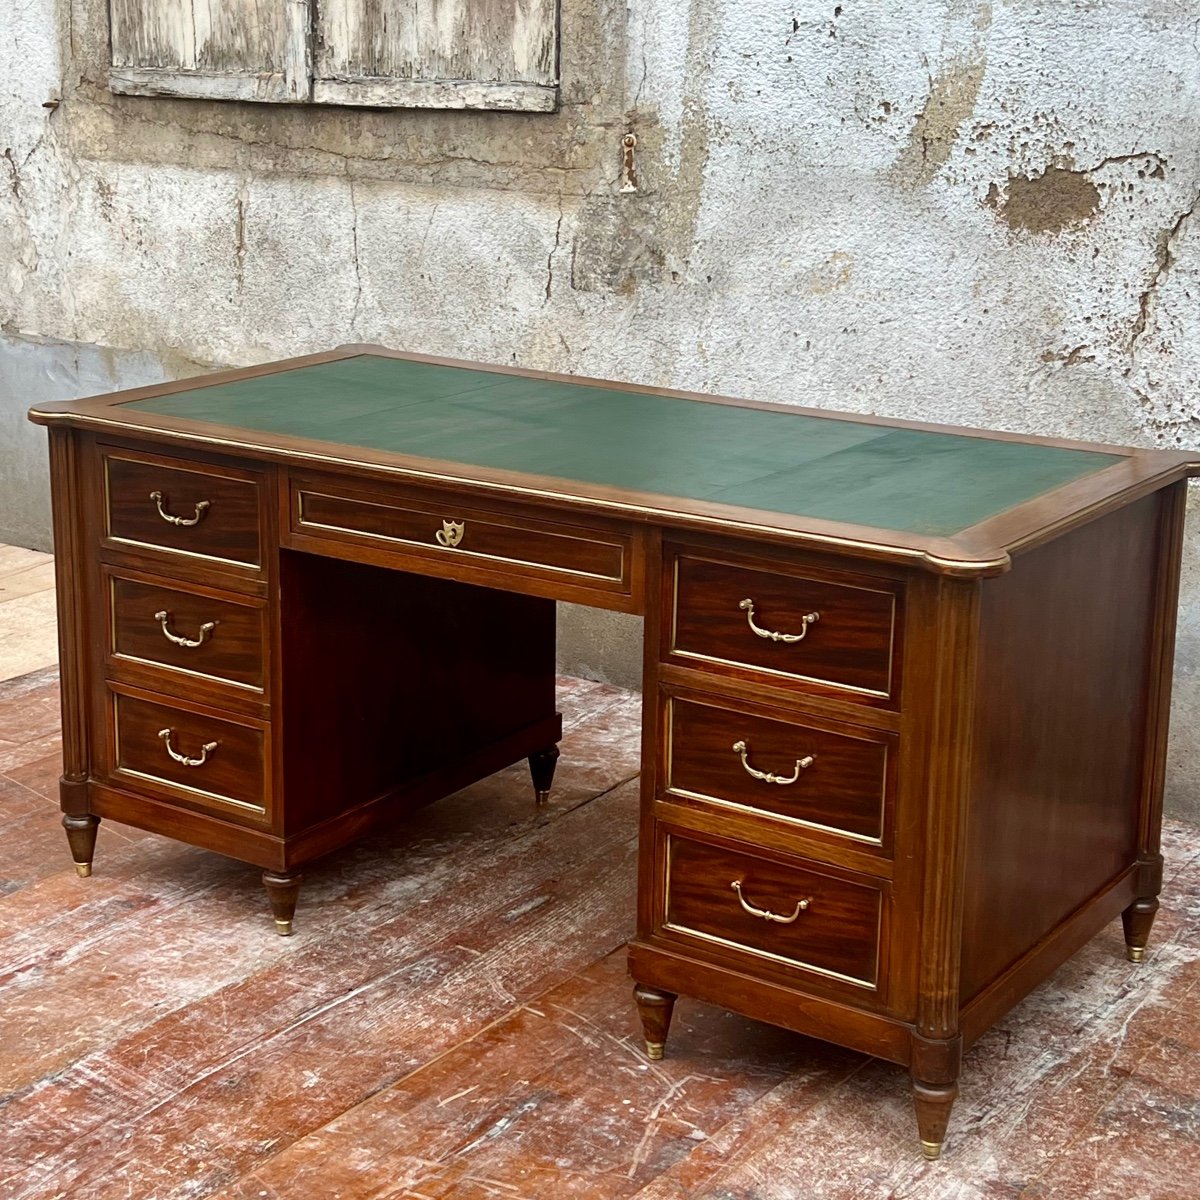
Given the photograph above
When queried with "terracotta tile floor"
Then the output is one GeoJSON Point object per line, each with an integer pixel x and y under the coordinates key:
{"type": "Point", "coordinates": [452, 1019]}
{"type": "Point", "coordinates": [28, 640]}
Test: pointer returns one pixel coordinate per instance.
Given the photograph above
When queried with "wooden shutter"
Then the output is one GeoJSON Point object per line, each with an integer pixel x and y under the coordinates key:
{"type": "Point", "coordinates": [494, 54]}
{"type": "Point", "coordinates": [213, 49]}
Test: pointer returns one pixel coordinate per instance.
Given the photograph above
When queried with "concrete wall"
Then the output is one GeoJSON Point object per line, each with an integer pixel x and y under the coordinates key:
{"type": "Point", "coordinates": [970, 212]}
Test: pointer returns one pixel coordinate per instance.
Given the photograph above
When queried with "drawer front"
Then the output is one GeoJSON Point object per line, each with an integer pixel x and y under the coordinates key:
{"type": "Point", "coordinates": [591, 557]}
{"type": "Point", "coordinates": [829, 777]}
{"type": "Point", "coordinates": [184, 631]}
{"type": "Point", "coordinates": [188, 508]}
{"type": "Point", "coordinates": [822, 631]}
{"type": "Point", "coordinates": [823, 924]}
{"type": "Point", "coordinates": [207, 762]}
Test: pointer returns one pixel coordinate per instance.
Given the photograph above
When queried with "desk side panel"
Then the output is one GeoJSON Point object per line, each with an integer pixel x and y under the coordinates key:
{"type": "Point", "coordinates": [1065, 667]}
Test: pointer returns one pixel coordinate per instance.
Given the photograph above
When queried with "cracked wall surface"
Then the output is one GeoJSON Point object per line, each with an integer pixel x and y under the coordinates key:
{"type": "Point", "coordinates": [947, 210]}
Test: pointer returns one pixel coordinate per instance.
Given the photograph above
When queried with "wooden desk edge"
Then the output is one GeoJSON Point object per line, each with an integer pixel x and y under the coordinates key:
{"type": "Point", "coordinates": [939, 555]}
{"type": "Point", "coordinates": [978, 551]}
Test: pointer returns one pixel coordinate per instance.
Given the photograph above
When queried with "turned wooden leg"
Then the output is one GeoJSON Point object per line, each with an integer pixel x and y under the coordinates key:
{"type": "Point", "coordinates": [935, 1064]}
{"type": "Point", "coordinates": [282, 891]}
{"type": "Point", "coordinates": [1137, 919]}
{"type": "Point", "coordinates": [81, 837]}
{"type": "Point", "coordinates": [655, 1008]}
{"type": "Point", "coordinates": [541, 767]}
{"type": "Point", "coordinates": [933, 1103]}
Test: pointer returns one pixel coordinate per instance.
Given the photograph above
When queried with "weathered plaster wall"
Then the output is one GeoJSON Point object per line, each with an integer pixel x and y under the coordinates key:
{"type": "Point", "coordinates": [971, 212]}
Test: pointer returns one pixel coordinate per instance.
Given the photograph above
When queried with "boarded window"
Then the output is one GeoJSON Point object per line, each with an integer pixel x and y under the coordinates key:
{"type": "Point", "coordinates": [488, 54]}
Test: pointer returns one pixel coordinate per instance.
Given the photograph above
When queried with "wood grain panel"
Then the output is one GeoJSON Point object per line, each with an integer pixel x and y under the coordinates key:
{"type": "Point", "coordinates": [850, 646]}
{"type": "Point", "coordinates": [415, 675]}
{"type": "Point", "coordinates": [231, 650]}
{"type": "Point", "coordinates": [232, 779]}
{"type": "Point", "coordinates": [843, 788]}
{"type": "Point", "coordinates": [224, 506]}
{"type": "Point", "coordinates": [1065, 646]}
{"type": "Point", "coordinates": [838, 934]}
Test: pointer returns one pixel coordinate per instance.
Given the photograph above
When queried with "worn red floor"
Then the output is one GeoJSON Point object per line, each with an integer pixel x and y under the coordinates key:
{"type": "Point", "coordinates": [452, 1019]}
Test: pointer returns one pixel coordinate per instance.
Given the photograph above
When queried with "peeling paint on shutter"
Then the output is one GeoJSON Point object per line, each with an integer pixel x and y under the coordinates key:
{"type": "Point", "coordinates": [491, 54]}
{"type": "Point", "coordinates": [212, 49]}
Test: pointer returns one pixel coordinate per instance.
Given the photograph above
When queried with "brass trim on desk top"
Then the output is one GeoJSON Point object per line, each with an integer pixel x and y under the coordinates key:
{"type": "Point", "coordinates": [970, 553]}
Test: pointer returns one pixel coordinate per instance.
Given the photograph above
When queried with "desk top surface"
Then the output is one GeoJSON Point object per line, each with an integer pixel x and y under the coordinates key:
{"type": "Point", "coordinates": [774, 460]}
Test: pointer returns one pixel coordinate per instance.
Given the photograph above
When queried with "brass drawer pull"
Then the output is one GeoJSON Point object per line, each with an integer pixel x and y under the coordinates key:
{"type": "Point", "coordinates": [747, 606]}
{"type": "Point", "coordinates": [183, 759]}
{"type": "Point", "coordinates": [801, 905]}
{"type": "Point", "coordinates": [802, 764]}
{"type": "Point", "coordinates": [451, 533]}
{"type": "Point", "coordinates": [201, 509]}
{"type": "Point", "coordinates": [190, 643]}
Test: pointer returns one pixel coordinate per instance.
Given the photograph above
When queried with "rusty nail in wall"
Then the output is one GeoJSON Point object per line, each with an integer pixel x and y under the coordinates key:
{"type": "Point", "coordinates": [629, 181]}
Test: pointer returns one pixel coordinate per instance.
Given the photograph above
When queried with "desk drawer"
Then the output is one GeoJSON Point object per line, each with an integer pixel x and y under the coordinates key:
{"type": "Point", "coordinates": [189, 508]}
{"type": "Point", "coordinates": [206, 761]}
{"type": "Point", "coordinates": [784, 915]}
{"type": "Point", "coordinates": [220, 638]}
{"type": "Point", "coordinates": [444, 530]}
{"type": "Point", "coordinates": [825, 776]}
{"type": "Point", "coordinates": [813, 629]}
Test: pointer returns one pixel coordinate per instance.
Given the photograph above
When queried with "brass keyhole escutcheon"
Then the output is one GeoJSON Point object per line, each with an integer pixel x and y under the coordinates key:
{"type": "Point", "coordinates": [451, 533]}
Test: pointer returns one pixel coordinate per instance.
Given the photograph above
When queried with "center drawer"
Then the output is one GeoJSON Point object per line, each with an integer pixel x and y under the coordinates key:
{"type": "Point", "coordinates": [451, 537]}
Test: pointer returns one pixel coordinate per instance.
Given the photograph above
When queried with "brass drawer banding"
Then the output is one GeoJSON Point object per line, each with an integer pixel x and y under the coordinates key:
{"type": "Point", "coordinates": [841, 775]}
{"type": "Point", "coordinates": [177, 633]}
{"type": "Point", "coordinates": [181, 507]}
{"type": "Point", "coordinates": [811, 631]}
{"type": "Point", "coordinates": [215, 763]}
{"type": "Point", "coordinates": [840, 938]}
{"type": "Point", "coordinates": [498, 540]}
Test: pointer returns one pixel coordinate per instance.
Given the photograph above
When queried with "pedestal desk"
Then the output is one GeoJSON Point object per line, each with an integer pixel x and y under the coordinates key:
{"type": "Point", "coordinates": [905, 687]}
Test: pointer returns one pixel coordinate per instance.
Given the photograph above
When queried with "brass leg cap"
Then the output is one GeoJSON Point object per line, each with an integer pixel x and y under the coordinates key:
{"type": "Point", "coordinates": [543, 797]}
{"type": "Point", "coordinates": [283, 928]}
{"type": "Point", "coordinates": [1135, 953]}
{"type": "Point", "coordinates": [931, 1150]}
{"type": "Point", "coordinates": [83, 870]}
{"type": "Point", "coordinates": [655, 1050]}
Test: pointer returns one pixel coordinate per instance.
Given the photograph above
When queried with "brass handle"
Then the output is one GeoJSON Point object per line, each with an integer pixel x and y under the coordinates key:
{"type": "Point", "coordinates": [802, 764]}
{"type": "Point", "coordinates": [201, 509]}
{"type": "Point", "coordinates": [451, 533]}
{"type": "Point", "coordinates": [191, 643]}
{"type": "Point", "coordinates": [747, 606]}
{"type": "Point", "coordinates": [183, 759]}
{"type": "Point", "coordinates": [766, 915]}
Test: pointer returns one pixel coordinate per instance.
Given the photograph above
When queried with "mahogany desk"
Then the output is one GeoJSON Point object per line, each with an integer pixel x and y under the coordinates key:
{"type": "Point", "coordinates": [905, 690]}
